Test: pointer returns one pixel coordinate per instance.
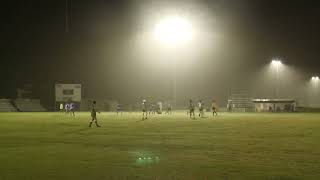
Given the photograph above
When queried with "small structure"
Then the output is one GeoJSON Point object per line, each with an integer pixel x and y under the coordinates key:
{"type": "Point", "coordinates": [68, 93]}
{"type": "Point", "coordinates": [240, 101]}
{"type": "Point", "coordinates": [274, 105]}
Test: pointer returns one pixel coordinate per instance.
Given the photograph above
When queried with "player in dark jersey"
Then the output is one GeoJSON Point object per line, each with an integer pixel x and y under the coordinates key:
{"type": "Point", "coordinates": [94, 115]}
{"type": "Point", "coordinates": [214, 108]}
{"type": "Point", "coordinates": [169, 109]}
{"type": "Point", "coordinates": [144, 110]}
{"type": "Point", "coordinates": [191, 109]}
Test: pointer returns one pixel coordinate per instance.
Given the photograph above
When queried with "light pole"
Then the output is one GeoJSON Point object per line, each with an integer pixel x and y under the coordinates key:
{"type": "Point", "coordinates": [315, 83]}
{"type": "Point", "coordinates": [276, 63]}
{"type": "Point", "coordinates": [172, 32]}
{"type": "Point", "coordinates": [315, 80]}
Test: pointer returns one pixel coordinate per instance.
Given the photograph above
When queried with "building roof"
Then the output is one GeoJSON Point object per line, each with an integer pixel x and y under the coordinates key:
{"type": "Point", "coordinates": [273, 100]}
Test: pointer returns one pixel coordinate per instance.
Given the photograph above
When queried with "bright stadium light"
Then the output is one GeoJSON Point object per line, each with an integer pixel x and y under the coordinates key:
{"type": "Point", "coordinates": [173, 30]}
{"type": "Point", "coordinates": [276, 63]}
{"type": "Point", "coordinates": [315, 78]}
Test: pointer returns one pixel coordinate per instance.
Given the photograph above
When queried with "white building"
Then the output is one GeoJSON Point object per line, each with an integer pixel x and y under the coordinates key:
{"type": "Point", "coordinates": [274, 105]}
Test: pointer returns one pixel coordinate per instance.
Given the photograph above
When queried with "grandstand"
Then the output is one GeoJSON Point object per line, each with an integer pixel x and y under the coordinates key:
{"type": "Point", "coordinates": [29, 105]}
{"type": "Point", "coordinates": [6, 106]}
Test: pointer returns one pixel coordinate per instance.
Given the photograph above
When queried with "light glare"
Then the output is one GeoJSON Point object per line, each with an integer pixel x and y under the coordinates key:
{"type": "Point", "coordinates": [276, 62]}
{"type": "Point", "coordinates": [315, 78]}
{"type": "Point", "coordinates": [173, 30]}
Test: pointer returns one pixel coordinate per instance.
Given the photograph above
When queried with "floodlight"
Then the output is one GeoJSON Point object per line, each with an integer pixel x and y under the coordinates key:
{"type": "Point", "coordinates": [276, 62]}
{"type": "Point", "coordinates": [315, 78]}
{"type": "Point", "coordinates": [173, 30]}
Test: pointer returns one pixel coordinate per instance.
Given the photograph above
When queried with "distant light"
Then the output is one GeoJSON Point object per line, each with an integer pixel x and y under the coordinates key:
{"type": "Point", "coordinates": [173, 30]}
{"type": "Point", "coordinates": [276, 62]}
{"type": "Point", "coordinates": [315, 78]}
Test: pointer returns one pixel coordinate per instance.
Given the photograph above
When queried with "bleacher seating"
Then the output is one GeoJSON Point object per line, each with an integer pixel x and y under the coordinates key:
{"type": "Point", "coordinates": [6, 106]}
{"type": "Point", "coordinates": [29, 105]}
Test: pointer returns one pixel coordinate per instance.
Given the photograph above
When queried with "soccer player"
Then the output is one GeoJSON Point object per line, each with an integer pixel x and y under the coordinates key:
{"type": "Point", "coordinates": [229, 106]}
{"type": "Point", "coordinates": [144, 109]}
{"type": "Point", "coordinates": [153, 109]}
{"type": "Point", "coordinates": [191, 109]}
{"type": "Point", "coordinates": [94, 115]}
{"type": "Point", "coordinates": [72, 108]}
{"type": "Point", "coordinates": [159, 109]}
{"type": "Point", "coordinates": [214, 108]}
{"type": "Point", "coordinates": [169, 109]}
{"type": "Point", "coordinates": [119, 109]}
{"type": "Point", "coordinates": [61, 107]}
{"type": "Point", "coordinates": [67, 107]}
{"type": "Point", "coordinates": [200, 106]}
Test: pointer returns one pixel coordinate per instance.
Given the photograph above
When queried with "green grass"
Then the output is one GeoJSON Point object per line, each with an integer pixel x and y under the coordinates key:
{"type": "Point", "coordinates": [42, 146]}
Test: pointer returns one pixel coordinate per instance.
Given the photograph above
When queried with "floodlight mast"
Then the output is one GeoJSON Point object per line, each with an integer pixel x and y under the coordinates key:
{"type": "Point", "coordinates": [315, 87]}
{"type": "Point", "coordinates": [276, 63]}
{"type": "Point", "coordinates": [173, 32]}
{"type": "Point", "coordinates": [315, 80]}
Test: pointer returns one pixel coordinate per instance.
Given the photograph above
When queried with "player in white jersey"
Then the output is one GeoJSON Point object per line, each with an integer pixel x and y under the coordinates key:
{"type": "Point", "coordinates": [61, 107]}
{"type": "Point", "coordinates": [144, 109]}
{"type": "Point", "coordinates": [67, 108]}
{"type": "Point", "coordinates": [201, 108]}
{"type": "Point", "coordinates": [72, 108]}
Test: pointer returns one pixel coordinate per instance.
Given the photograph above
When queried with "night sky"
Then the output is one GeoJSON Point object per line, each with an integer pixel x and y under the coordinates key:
{"type": "Point", "coordinates": [97, 50]}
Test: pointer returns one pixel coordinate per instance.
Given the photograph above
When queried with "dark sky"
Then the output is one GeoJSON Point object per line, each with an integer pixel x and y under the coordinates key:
{"type": "Point", "coordinates": [36, 49]}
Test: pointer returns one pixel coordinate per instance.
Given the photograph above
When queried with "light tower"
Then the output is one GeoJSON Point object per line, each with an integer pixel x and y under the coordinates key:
{"type": "Point", "coordinates": [173, 32]}
{"type": "Point", "coordinates": [276, 64]}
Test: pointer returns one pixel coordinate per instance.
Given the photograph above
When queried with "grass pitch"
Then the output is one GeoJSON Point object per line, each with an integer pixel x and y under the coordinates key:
{"type": "Point", "coordinates": [45, 146]}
